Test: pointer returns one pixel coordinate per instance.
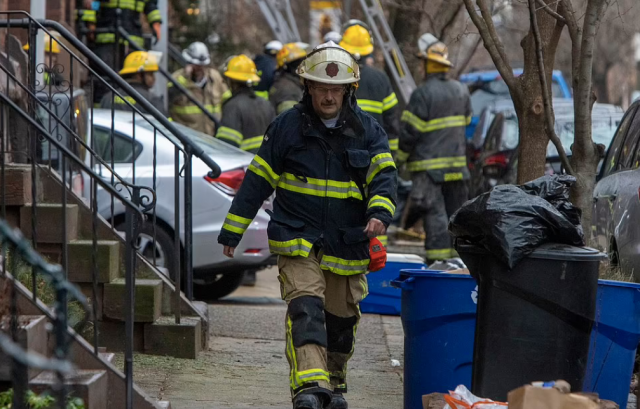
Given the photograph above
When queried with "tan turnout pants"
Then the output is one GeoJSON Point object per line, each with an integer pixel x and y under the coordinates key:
{"type": "Point", "coordinates": [321, 323]}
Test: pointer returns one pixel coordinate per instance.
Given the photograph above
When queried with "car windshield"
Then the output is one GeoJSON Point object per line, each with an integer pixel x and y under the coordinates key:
{"type": "Point", "coordinates": [602, 131]}
{"type": "Point", "coordinates": [209, 144]}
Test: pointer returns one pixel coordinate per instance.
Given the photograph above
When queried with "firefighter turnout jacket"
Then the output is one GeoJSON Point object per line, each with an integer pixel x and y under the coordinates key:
{"type": "Point", "coordinates": [433, 129]}
{"type": "Point", "coordinates": [318, 202]}
{"type": "Point", "coordinates": [286, 91]}
{"type": "Point", "coordinates": [245, 118]}
{"type": "Point", "coordinates": [130, 10]}
{"type": "Point", "coordinates": [126, 102]}
{"type": "Point", "coordinates": [376, 97]}
{"type": "Point", "coordinates": [210, 95]}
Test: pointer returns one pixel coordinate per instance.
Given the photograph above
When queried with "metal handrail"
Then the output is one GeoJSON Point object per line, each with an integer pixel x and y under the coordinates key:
{"type": "Point", "coordinates": [107, 186]}
{"type": "Point", "coordinates": [187, 143]}
{"type": "Point", "coordinates": [173, 82]}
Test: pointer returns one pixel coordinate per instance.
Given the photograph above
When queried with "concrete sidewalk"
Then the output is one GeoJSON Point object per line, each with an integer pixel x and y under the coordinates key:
{"type": "Point", "coordinates": [245, 365]}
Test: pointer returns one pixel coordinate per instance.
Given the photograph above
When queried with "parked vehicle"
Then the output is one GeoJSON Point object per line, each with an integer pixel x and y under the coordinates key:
{"type": "Point", "coordinates": [215, 274]}
{"type": "Point", "coordinates": [616, 197]}
{"type": "Point", "coordinates": [488, 86]}
{"type": "Point", "coordinates": [497, 162]}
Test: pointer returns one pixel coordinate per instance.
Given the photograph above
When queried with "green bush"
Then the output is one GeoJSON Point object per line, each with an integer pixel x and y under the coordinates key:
{"type": "Point", "coordinates": [44, 401]}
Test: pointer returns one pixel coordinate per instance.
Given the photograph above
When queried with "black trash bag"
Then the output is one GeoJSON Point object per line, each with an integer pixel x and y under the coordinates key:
{"type": "Point", "coordinates": [512, 221]}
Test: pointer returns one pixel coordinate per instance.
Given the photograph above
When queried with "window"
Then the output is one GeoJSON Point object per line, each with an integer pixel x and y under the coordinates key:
{"type": "Point", "coordinates": [612, 155]}
{"type": "Point", "coordinates": [125, 150]}
{"type": "Point", "coordinates": [629, 147]}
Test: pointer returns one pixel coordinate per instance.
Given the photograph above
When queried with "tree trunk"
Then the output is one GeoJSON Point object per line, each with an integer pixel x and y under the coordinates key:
{"type": "Point", "coordinates": [601, 86]}
{"type": "Point", "coordinates": [406, 30]}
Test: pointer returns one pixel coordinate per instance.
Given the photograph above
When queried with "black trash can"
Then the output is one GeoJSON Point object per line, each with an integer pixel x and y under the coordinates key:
{"type": "Point", "coordinates": [533, 322]}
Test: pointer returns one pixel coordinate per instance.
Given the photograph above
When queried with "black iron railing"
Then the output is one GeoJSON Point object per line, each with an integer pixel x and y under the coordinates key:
{"type": "Point", "coordinates": [16, 250]}
{"type": "Point", "coordinates": [94, 155]}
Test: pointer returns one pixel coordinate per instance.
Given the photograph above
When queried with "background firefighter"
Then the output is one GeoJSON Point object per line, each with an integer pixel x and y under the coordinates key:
{"type": "Point", "coordinates": [287, 89]}
{"type": "Point", "coordinates": [317, 157]}
{"type": "Point", "coordinates": [267, 65]}
{"type": "Point", "coordinates": [204, 83]}
{"type": "Point", "coordinates": [433, 143]}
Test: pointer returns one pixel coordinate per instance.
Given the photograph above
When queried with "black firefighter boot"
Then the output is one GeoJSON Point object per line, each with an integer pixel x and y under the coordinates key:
{"type": "Point", "coordinates": [338, 401]}
{"type": "Point", "coordinates": [307, 401]}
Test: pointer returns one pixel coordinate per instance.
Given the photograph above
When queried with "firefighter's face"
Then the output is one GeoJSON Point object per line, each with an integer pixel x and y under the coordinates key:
{"type": "Point", "coordinates": [326, 98]}
{"type": "Point", "coordinates": [149, 79]}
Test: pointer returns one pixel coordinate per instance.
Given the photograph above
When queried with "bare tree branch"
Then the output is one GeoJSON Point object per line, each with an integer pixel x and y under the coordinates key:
{"type": "Point", "coordinates": [446, 13]}
{"type": "Point", "coordinates": [461, 66]}
{"type": "Point", "coordinates": [552, 13]}
{"type": "Point", "coordinates": [546, 99]}
{"type": "Point", "coordinates": [488, 19]}
{"type": "Point", "coordinates": [493, 47]}
{"type": "Point", "coordinates": [566, 9]}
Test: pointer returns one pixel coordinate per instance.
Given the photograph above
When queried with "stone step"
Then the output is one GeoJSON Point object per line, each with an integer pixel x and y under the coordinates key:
{"type": "Point", "coordinates": [148, 300]}
{"type": "Point", "coordinates": [80, 267]}
{"type": "Point", "coordinates": [18, 185]}
{"type": "Point", "coordinates": [87, 384]}
{"type": "Point", "coordinates": [49, 222]}
{"type": "Point", "coordinates": [32, 337]}
{"type": "Point", "coordinates": [165, 337]}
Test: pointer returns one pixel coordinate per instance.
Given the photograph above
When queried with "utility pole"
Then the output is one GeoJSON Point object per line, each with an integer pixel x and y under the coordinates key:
{"type": "Point", "coordinates": [160, 87]}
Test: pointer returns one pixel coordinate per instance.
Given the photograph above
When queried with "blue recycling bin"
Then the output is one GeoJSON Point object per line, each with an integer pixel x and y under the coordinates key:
{"type": "Point", "coordinates": [614, 340]}
{"type": "Point", "coordinates": [438, 317]}
{"type": "Point", "coordinates": [383, 298]}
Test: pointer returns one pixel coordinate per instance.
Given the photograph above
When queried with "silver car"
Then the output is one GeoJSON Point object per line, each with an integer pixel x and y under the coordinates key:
{"type": "Point", "coordinates": [211, 199]}
{"type": "Point", "coordinates": [616, 208]}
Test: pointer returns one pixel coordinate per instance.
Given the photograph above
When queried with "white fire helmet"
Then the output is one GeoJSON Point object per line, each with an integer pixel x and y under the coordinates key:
{"type": "Point", "coordinates": [329, 63]}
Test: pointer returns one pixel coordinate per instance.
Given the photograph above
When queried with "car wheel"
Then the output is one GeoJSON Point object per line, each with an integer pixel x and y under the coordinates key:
{"type": "Point", "coordinates": [163, 248]}
{"type": "Point", "coordinates": [223, 285]}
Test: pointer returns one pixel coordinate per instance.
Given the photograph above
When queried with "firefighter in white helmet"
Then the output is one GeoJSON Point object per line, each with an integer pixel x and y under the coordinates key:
{"type": "Point", "coordinates": [318, 157]}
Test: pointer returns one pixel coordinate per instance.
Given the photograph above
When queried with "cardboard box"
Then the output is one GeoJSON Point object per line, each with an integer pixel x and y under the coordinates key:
{"type": "Point", "coordinates": [532, 397]}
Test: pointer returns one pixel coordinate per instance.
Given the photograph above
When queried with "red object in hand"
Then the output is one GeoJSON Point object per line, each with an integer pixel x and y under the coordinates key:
{"type": "Point", "coordinates": [378, 255]}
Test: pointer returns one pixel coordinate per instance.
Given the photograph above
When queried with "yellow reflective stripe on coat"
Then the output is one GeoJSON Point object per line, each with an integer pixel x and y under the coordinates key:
{"type": "Point", "coordinates": [369, 105]}
{"type": "Point", "coordinates": [88, 15]}
{"type": "Point", "coordinates": [123, 101]}
{"type": "Point", "coordinates": [381, 201]}
{"type": "Point", "coordinates": [263, 94]}
{"type": "Point", "coordinates": [468, 120]}
{"type": "Point", "coordinates": [394, 144]}
{"type": "Point", "coordinates": [285, 105]}
{"type": "Point", "coordinates": [438, 163]}
{"type": "Point", "coordinates": [434, 124]}
{"type": "Point", "coordinates": [378, 163]}
{"type": "Point", "coordinates": [236, 224]}
{"type": "Point", "coordinates": [384, 240]}
{"type": "Point", "coordinates": [261, 168]}
{"type": "Point", "coordinates": [402, 155]}
{"type": "Point", "coordinates": [226, 95]}
{"type": "Point", "coordinates": [319, 187]}
{"type": "Point", "coordinates": [251, 143]}
{"type": "Point", "coordinates": [154, 16]}
{"type": "Point", "coordinates": [105, 38]}
{"type": "Point", "coordinates": [194, 109]}
{"type": "Point", "coordinates": [123, 4]}
{"type": "Point", "coordinates": [295, 247]}
{"type": "Point", "coordinates": [229, 134]}
{"type": "Point", "coordinates": [438, 254]}
{"type": "Point", "coordinates": [389, 102]}
{"type": "Point", "coordinates": [344, 267]}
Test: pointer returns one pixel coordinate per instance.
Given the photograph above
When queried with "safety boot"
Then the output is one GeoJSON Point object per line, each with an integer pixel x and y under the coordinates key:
{"type": "Point", "coordinates": [307, 401]}
{"type": "Point", "coordinates": [338, 401]}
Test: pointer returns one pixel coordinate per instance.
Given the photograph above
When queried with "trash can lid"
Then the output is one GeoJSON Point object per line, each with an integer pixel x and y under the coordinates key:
{"type": "Point", "coordinates": [549, 251]}
{"type": "Point", "coordinates": [432, 273]}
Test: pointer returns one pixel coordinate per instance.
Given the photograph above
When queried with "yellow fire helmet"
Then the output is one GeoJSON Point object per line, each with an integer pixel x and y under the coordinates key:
{"type": "Point", "coordinates": [357, 40]}
{"type": "Point", "coordinates": [289, 53]}
{"type": "Point", "coordinates": [49, 46]}
{"type": "Point", "coordinates": [141, 61]}
{"type": "Point", "coordinates": [432, 49]}
{"type": "Point", "coordinates": [241, 68]}
{"type": "Point", "coordinates": [329, 63]}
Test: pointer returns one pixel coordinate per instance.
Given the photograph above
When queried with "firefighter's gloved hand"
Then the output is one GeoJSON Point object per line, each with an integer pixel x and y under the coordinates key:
{"type": "Point", "coordinates": [156, 30]}
{"type": "Point", "coordinates": [228, 251]}
{"type": "Point", "coordinates": [375, 228]}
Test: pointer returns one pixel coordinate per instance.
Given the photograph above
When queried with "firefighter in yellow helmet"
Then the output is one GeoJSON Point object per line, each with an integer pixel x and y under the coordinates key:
{"type": "Point", "coordinates": [317, 157]}
{"type": "Point", "coordinates": [245, 116]}
{"type": "Point", "coordinates": [287, 88]}
{"type": "Point", "coordinates": [139, 71]}
{"type": "Point", "coordinates": [432, 143]}
{"type": "Point", "coordinates": [51, 52]}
